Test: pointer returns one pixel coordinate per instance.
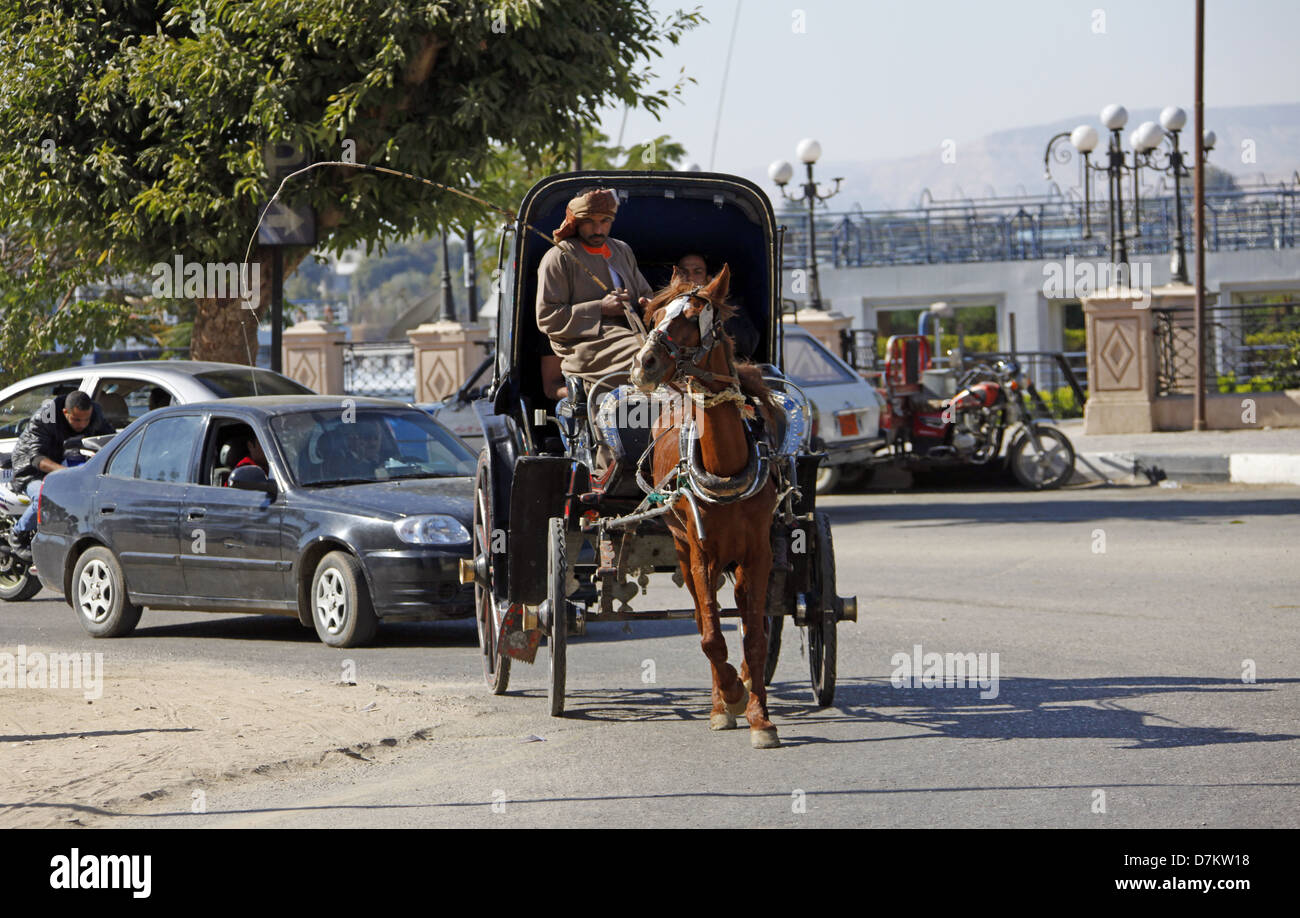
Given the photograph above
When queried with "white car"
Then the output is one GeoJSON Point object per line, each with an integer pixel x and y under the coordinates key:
{"type": "Point", "coordinates": [846, 408]}
{"type": "Point", "coordinates": [124, 390]}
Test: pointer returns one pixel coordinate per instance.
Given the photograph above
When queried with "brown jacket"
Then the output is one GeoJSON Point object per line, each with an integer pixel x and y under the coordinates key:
{"type": "Point", "coordinates": [568, 308]}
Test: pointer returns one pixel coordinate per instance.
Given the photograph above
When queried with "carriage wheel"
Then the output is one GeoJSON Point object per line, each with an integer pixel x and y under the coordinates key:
{"type": "Point", "coordinates": [821, 634]}
{"type": "Point", "coordinates": [557, 571]}
{"type": "Point", "coordinates": [496, 666]}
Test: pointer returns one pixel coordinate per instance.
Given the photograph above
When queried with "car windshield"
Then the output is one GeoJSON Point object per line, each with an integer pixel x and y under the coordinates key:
{"type": "Point", "coordinates": [351, 445]}
{"type": "Point", "coordinates": [808, 365]}
{"type": "Point", "coordinates": [244, 383]}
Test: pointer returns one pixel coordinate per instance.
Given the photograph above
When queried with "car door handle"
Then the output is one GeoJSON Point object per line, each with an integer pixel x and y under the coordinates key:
{"type": "Point", "coordinates": [107, 508]}
{"type": "Point", "coordinates": [195, 513]}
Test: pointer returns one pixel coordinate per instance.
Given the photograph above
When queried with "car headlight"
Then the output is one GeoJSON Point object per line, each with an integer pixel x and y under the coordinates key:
{"type": "Point", "coordinates": [438, 529]}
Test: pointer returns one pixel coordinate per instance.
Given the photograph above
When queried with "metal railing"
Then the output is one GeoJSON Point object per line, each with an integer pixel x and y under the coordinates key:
{"type": "Point", "coordinates": [1248, 347]}
{"type": "Point", "coordinates": [1055, 380]}
{"type": "Point", "coordinates": [379, 370]}
{"type": "Point", "coordinates": [1040, 227]}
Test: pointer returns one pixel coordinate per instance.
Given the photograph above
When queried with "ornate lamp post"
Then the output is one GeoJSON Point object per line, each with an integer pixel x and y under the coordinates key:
{"type": "Point", "coordinates": [448, 313]}
{"type": "Point", "coordinates": [808, 151]}
{"type": "Point", "coordinates": [1173, 162]}
{"type": "Point", "coordinates": [1145, 140]}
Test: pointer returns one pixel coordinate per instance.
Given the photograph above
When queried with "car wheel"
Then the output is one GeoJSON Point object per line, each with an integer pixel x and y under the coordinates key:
{"type": "Point", "coordinates": [828, 478]}
{"type": "Point", "coordinates": [340, 603]}
{"type": "Point", "coordinates": [99, 595]}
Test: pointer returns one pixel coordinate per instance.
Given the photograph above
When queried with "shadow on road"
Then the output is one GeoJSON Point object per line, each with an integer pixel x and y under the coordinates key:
{"type": "Point", "coordinates": [86, 734]}
{"type": "Point", "coordinates": [1024, 709]}
{"type": "Point", "coordinates": [1101, 708]}
{"type": "Point", "coordinates": [1049, 510]}
{"type": "Point", "coordinates": [457, 633]}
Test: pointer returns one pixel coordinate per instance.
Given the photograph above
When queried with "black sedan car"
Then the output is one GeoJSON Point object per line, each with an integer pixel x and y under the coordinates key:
{"type": "Point", "coordinates": [340, 511]}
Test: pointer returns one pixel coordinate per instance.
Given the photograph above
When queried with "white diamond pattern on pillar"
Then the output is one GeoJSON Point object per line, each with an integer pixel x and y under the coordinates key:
{"type": "Point", "coordinates": [1117, 353]}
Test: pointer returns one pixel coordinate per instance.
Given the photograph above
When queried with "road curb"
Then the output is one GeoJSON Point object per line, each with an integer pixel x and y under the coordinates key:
{"type": "Point", "coordinates": [1140, 467]}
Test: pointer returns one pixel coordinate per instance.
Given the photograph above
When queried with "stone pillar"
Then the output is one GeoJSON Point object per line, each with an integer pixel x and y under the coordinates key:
{"type": "Point", "coordinates": [312, 355]}
{"type": "Point", "coordinates": [445, 355]}
{"type": "Point", "coordinates": [1122, 357]}
{"type": "Point", "coordinates": [824, 326]}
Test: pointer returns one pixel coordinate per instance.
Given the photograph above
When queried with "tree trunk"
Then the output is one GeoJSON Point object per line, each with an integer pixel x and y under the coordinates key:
{"type": "Point", "coordinates": [224, 330]}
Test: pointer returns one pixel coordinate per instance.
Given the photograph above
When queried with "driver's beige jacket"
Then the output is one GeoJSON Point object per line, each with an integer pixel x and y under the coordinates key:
{"type": "Point", "coordinates": [568, 308]}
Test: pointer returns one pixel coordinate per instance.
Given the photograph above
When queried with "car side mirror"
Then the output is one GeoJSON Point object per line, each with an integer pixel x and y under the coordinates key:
{"type": "Point", "coordinates": [252, 478]}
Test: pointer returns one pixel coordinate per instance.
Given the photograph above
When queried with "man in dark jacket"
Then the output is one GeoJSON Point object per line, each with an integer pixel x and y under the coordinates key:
{"type": "Point", "coordinates": [39, 451]}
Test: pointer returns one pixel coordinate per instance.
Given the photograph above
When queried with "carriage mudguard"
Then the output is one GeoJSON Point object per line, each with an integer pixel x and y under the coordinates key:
{"type": "Point", "coordinates": [538, 492]}
{"type": "Point", "coordinates": [806, 471]}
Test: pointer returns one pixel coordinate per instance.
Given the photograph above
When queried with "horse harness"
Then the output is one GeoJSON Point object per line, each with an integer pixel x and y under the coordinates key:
{"type": "Point", "coordinates": [693, 481]}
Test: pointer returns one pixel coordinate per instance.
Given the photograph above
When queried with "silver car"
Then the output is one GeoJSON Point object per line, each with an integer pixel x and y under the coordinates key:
{"type": "Point", "coordinates": [125, 391]}
{"type": "Point", "coordinates": [846, 408]}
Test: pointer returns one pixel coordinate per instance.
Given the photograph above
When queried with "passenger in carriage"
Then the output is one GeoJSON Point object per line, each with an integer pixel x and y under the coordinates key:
{"type": "Point", "coordinates": [589, 328]}
{"type": "Point", "coordinates": [740, 327]}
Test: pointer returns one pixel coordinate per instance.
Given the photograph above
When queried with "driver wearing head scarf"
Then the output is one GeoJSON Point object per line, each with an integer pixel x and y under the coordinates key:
{"type": "Point", "coordinates": [590, 291]}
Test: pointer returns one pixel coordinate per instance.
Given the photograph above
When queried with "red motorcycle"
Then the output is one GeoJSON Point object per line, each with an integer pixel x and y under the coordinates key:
{"type": "Point", "coordinates": [926, 430]}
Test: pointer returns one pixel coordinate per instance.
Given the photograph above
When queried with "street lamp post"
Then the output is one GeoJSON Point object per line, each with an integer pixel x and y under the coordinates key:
{"type": "Point", "coordinates": [1174, 163]}
{"type": "Point", "coordinates": [1145, 141]}
{"type": "Point", "coordinates": [808, 151]}
{"type": "Point", "coordinates": [448, 313]}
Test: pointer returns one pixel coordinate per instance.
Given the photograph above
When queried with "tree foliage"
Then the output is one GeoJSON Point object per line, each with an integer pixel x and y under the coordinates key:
{"type": "Point", "coordinates": [137, 130]}
{"type": "Point", "coordinates": [39, 313]}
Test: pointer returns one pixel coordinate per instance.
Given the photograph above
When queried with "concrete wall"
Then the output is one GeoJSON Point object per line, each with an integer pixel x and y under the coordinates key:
{"type": "Point", "coordinates": [1018, 287]}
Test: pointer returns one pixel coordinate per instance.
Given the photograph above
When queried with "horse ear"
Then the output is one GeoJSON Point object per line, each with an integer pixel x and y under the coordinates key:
{"type": "Point", "coordinates": [717, 288]}
{"type": "Point", "coordinates": [679, 277]}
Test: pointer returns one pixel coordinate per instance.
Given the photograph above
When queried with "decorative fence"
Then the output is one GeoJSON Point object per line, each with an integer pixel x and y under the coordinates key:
{"type": "Point", "coordinates": [1043, 227]}
{"type": "Point", "coordinates": [379, 370]}
{"type": "Point", "coordinates": [1249, 347]}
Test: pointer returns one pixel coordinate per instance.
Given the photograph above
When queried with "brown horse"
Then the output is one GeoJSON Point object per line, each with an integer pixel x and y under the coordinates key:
{"type": "Point", "coordinates": [736, 496]}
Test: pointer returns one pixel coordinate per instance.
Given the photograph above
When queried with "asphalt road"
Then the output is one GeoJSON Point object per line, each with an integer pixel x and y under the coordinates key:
{"type": "Point", "coordinates": [1120, 686]}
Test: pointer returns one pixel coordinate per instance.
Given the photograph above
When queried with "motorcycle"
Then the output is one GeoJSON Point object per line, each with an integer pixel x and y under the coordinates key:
{"type": "Point", "coordinates": [18, 580]}
{"type": "Point", "coordinates": [970, 427]}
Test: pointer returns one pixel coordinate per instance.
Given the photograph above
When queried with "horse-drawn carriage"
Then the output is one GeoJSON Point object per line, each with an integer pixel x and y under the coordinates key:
{"type": "Point", "coordinates": [578, 501]}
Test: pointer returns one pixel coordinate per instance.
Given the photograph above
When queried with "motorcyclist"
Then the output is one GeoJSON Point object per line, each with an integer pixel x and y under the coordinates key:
{"type": "Point", "coordinates": [39, 451]}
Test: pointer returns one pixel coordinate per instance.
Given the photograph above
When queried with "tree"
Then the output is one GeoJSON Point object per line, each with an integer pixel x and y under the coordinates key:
{"type": "Point", "coordinates": [137, 130]}
{"type": "Point", "coordinates": [39, 313]}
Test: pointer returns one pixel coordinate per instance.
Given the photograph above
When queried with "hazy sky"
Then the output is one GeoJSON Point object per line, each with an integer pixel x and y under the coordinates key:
{"type": "Point", "coordinates": [873, 79]}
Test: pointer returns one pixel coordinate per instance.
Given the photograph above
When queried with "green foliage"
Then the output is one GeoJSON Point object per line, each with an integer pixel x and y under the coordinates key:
{"type": "Point", "coordinates": [39, 315]}
{"type": "Point", "coordinates": [1286, 364]}
{"type": "Point", "coordinates": [1060, 402]}
{"type": "Point", "coordinates": [1076, 339]}
{"type": "Point", "coordinates": [136, 129]}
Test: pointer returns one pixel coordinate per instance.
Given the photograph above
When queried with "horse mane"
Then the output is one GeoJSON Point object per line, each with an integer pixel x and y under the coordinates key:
{"type": "Point", "coordinates": [671, 291]}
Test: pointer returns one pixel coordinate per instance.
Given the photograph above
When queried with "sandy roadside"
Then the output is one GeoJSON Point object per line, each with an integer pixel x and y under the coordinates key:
{"type": "Point", "coordinates": [175, 729]}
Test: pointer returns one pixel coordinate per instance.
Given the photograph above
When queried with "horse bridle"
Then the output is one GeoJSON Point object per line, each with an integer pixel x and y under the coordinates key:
{"type": "Point", "coordinates": [688, 359]}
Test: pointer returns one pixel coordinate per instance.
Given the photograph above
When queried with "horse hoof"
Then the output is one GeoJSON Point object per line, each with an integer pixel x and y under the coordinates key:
{"type": "Point", "coordinates": [738, 707]}
{"type": "Point", "coordinates": [764, 739]}
{"type": "Point", "coordinates": [722, 722]}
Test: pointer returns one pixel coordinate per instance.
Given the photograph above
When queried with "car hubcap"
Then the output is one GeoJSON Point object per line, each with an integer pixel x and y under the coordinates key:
{"type": "Point", "coordinates": [95, 592]}
{"type": "Point", "coordinates": [331, 602]}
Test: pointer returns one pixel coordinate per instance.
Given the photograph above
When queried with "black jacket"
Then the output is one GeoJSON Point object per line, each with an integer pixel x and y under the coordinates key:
{"type": "Point", "coordinates": [43, 438]}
